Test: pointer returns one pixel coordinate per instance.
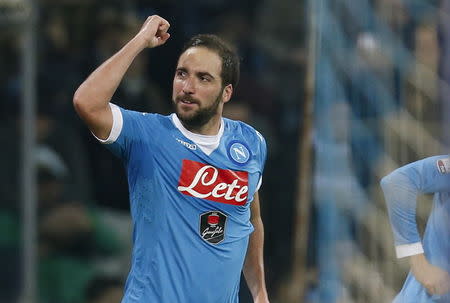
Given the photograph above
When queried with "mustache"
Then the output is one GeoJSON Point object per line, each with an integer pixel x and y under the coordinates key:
{"type": "Point", "coordinates": [187, 98]}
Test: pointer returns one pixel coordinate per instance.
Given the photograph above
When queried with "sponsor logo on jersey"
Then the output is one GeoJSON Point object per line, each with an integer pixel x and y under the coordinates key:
{"type": "Point", "coordinates": [188, 145]}
{"type": "Point", "coordinates": [238, 152]}
{"type": "Point", "coordinates": [208, 182]}
{"type": "Point", "coordinates": [443, 165]}
{"type": "Point", "coordinates": [212, 226]}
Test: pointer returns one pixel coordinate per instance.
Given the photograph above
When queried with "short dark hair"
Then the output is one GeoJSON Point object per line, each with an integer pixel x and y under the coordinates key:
{"type": "Point", "coordinates": [230, 59]}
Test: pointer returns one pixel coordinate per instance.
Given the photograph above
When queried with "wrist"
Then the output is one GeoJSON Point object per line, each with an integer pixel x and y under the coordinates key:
{"type": "Point", "coordinates": [417, 260]}
{"type": "Point", "coordinates": [139, 43]}
{"type": "Point", "coordinates": [419, 266]}
{"type": "Point", "coordinates": [261, 297]}
{"type": "Point", "coordinates": [260, 294]}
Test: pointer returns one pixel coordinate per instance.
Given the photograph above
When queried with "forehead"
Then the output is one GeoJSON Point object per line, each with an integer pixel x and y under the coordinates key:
{"type": "Point", "coordinates": [201, 59]}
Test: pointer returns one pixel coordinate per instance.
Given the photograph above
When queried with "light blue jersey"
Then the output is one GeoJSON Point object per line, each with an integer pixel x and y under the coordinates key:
{"type": "Point", "coordinates": [401, 187]}
{"type": "Point", "coordinates": [190, 206]}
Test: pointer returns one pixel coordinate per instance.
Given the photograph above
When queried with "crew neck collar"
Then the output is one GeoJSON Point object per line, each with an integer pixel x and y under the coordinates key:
{"type": "Point", "coordinates": [207, 143]}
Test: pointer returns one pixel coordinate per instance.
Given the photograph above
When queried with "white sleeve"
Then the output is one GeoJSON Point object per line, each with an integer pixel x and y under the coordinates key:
{"type": "Point", "coordinates": [116, 126]}
{"type": "Point", "coordinates": [406, 250]}
{"type": "Point", "coordinates": [259, 184]}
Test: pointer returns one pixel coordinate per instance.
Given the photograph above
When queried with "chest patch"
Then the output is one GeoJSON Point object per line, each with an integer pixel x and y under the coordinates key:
{"type": "Point", "coordinates": [208, 182]}
{"type": "Point", "coordinates": [212, 226]}
{"type": "Point", "coordinates": [443, 165]}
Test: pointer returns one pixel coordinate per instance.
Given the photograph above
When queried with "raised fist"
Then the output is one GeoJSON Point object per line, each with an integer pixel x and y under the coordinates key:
{"type": "Point", "coordinates": [154, 31]}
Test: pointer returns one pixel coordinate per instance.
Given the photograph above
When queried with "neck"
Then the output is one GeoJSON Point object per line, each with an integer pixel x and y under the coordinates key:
{"type": "Point", "coordinates": [210, 128]}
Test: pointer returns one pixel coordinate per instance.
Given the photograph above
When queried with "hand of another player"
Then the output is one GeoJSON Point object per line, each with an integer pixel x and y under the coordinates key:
{"type": "Point", "coordinates": [154, 31]}
{"type": "Point", "coordinates": [433, 278]}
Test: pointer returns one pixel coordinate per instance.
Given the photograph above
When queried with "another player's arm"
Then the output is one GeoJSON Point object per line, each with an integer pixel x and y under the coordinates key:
{"type": "Point", "coordinates": [254, 260]}
{"type": "Point", "coordinates": [91, 100]}
{"type": "Point", "coordinates": [401, 189]}
{"type": "Point", "coordinates": [433, 278]}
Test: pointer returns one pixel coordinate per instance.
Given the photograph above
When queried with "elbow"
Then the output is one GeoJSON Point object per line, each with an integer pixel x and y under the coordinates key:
{"type": "Point", "coordinates": [78, 102]}
{"type": "Point", "coordinates": [81, 104]}
{"type": "Point", "coordinates": [393, 180]}
{"type": "Point", "coordinates": [386, 181]}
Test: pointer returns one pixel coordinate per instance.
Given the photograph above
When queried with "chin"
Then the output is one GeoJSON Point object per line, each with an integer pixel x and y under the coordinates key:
{"type": "Point", "coordinates": [186, 116]}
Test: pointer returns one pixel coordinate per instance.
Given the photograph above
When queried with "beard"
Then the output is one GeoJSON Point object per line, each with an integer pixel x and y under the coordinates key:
{"type": "Point", "coordinates": [196, 118]}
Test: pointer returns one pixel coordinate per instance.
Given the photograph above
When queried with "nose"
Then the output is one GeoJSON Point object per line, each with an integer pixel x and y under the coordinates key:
{"type": "Point", "coordinates": [189, 86]}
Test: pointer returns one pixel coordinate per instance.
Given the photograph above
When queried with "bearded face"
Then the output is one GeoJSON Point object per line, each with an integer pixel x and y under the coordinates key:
{"type": "Point", "coordinates": [198, 94]}
{"type": "Point", "coordinates": [194, 113]}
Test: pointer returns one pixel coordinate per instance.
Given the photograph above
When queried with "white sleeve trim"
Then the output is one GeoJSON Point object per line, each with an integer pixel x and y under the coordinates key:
{"type": "Point", "coordinates": [116, 128]}
{"type": "Point", "coordinates": [407, 250]}
{"type": "Point", "coordinates": [259, 183]}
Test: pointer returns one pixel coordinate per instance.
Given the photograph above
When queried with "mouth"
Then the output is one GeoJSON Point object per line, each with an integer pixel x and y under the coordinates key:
{"type": "Point", "coordinates": [187, 101]}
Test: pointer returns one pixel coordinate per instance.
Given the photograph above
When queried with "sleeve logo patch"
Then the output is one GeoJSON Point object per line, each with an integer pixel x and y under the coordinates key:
{"type": "Point", "coordinates": [443, 165]}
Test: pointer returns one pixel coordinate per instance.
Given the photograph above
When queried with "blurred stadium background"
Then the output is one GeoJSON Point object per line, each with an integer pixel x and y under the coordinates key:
{"type": "Point", "coordinates": [344, 91]}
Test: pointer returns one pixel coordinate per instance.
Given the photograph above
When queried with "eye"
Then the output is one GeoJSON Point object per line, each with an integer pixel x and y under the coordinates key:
{"type": "Point", "coordinates": [180, 74]}
{"type": "Point", "coordinates": [205, 79]}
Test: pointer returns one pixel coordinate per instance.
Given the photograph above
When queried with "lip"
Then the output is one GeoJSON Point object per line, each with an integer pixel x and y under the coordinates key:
{"type": "Point", "coordinates": [187, 102]}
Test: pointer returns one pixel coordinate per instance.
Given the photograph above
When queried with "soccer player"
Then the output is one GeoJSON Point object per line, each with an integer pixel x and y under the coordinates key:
{"type": "Point", "coordinates": [193, 176]}
{"type": "Point", "coordinates": [428, 279]}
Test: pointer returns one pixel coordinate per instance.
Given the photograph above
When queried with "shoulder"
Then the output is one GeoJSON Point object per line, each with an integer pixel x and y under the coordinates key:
{"type": "Point", "coordinates": [163, 120]}
{"type": "Point", "coordinates": [439, 164]}
{"type": "Point", "coordinates": [429, 175]}
{"type": "Point", "coordinates": [133, 124]}
{"type": "Point", "coordinates": [244, 135]}
{"type": "Point", "coordinates": [248, 132]}
{"type": "Point", "coordinates": [423, 169]}
{"type": "Point", "coordinates": [145, 118]}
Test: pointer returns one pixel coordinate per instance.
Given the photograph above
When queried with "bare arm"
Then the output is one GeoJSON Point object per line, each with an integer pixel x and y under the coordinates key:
{"type": "Point", "coordinates": [433, 278]}
{"type": "Point", "coordinates": [254, 261]}
{"type": "Point", "coordinates": [91, 100]}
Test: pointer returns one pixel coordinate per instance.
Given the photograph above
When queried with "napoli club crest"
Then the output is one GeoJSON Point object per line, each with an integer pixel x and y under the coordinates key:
{"type": "Point", "coordinates": [212, 226]}
{"type": "Point", "coordinates": [239, 152]}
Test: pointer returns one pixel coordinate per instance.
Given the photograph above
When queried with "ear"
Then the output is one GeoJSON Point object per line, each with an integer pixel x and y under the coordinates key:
{"type": "Point", "coordinates": [227, 92]}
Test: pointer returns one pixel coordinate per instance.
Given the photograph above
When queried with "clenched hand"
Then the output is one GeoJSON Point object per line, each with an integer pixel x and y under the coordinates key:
{"type": "Point", "coordinates": [154, 31]}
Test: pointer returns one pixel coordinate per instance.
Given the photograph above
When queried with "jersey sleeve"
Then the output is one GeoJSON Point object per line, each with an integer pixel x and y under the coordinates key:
{"type": "Point", "coordinates": [127, 130]}
{"type": "Point", "coordinates": [262, 156]}
{"type": "Point", "coordinates": [401, 189]}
